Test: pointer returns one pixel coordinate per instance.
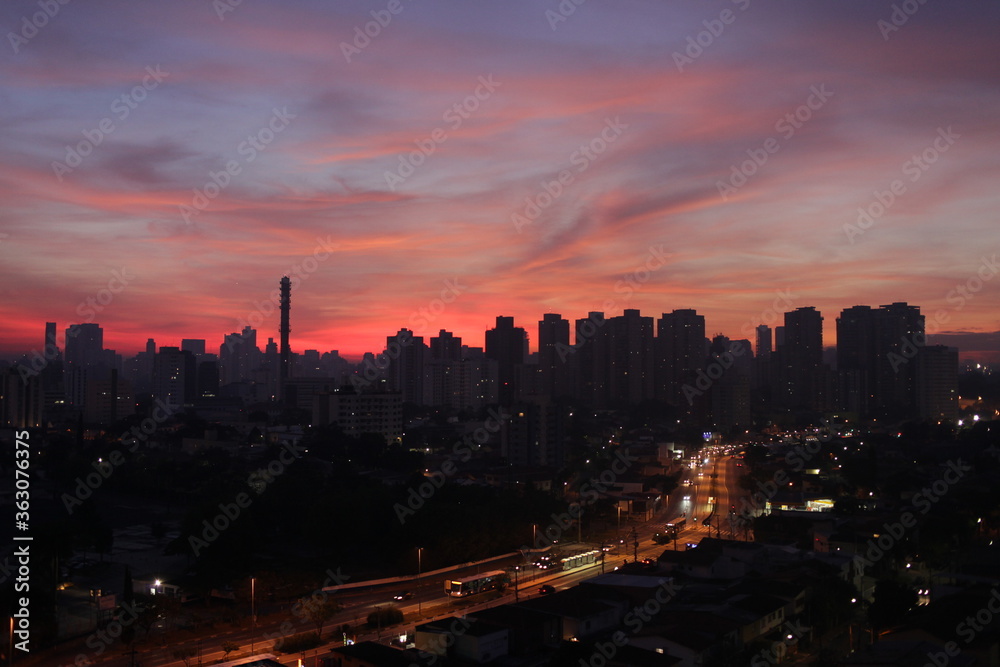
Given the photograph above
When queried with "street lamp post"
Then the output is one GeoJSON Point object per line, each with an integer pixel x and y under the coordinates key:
{"type": "Point", "coordinates": [419, 569]}
{"type": "Point", "coordinates": [253, 614]}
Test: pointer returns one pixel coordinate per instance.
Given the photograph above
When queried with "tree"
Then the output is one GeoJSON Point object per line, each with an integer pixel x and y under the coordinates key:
{"type": "Point", "coordinates": [229, 647]}
{"type": "Point", "coordinates": [321, 611]}
{"type": "Point", "coordinates": [185, 654]}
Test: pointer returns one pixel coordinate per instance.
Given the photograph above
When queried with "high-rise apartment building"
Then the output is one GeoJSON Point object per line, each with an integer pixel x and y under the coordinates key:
{"type": "Point", "coordinates": [803, 359]}
{"type": "Point", "coordinates": [631, 359]}
{"type": "Point", "coordinates": [876, 350]}
{"type": "Point", "coordinates": [680, 354]}
{"type": "Point", "coordinates": [937, 383]}
{"type": "Point", "coordinates": [554, 368]}
{"type": "Point", "coordinates": [508, 346]}
{"type": "Point", "coordinates": [591, 359]}
{"type": "Point", "coordinates": [174, 376]}
{"type": "Point", "coordinates": [407, 361]}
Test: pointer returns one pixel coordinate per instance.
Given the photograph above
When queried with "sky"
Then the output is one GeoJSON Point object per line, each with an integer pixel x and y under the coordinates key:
{"type": "Point", "coordinates": [434, 164]}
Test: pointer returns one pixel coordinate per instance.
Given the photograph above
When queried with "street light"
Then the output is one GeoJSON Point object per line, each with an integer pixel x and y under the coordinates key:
{"type": "Point", "coordinates": [253, 614]}
{"type": "Point", "coordinates": [419, 553]}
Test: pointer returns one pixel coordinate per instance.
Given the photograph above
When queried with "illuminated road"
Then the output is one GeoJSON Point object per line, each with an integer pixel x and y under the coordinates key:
{"type": "Point", "coordinates": [714, 490]}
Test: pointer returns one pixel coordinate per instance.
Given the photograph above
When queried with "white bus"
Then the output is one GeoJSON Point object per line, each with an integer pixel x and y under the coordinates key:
{"type": "Point", "coordinates": [476, 583]}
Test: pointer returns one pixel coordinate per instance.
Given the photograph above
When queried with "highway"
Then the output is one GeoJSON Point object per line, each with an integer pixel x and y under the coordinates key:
{"type": "Point", "coordinates": [713, 491]}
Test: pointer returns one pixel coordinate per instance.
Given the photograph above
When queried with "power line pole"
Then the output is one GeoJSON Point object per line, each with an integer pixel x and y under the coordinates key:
{"type": "Point", "coordinates": [419, 552]}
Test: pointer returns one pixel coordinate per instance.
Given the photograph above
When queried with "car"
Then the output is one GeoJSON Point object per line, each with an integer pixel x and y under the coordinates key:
{"type": "Point", "coordinates": [545, 589]}
{"type": "Point", "coordinates": [402, 595]}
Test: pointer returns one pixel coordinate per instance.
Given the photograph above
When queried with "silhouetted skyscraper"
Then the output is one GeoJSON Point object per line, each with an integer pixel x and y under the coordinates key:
{"type": "Point", "coordinates": [239, 356]}
{"type": "Point", "coordinates": [85, 360]}
{"type": "Point", "coordinates": [728, 366]}
{"type": "Point", "coordinates": [508, 346]}
{"type": "Point", "coordinates": [21, 400]}
{"type": "Point", "coordinates": [174, 379]}
{"type": "Point", "coordinates": [899, 334]}
{"type": "Point", "coordinates": [802, 374]}
{"type": "Point", "coordinates": [553, 352]}
{"type": "Point", "coordinates": [285, 330]}
{"type": "Point", "coordinates": [406, 370]}
{"type": "Point", "coordinates": [764, 346]}
{"type": "Point", "coordinates": [109, 398]}
{"type": "Point", "coordinates": [856, 358]}
{"type": "Point", "coordinates": [51, 349]}
{"type": "Point", "coordinates": [937, 383]}
{"type": "Point", "coordinates": [446, 346]}
{"type": "Point", "coordinates": [680, 344]}
{"type": "Point", "coordinates": [443, 369]}
{"type": "Point", "coordinates": [52, 372]}
{"type": "Point", "coordinates": [195, 346]}
{"type": "Point", "coordinates": [84, 345]}
{"type": "Point", "coordinates": [591, 358]}
{"type": "Point", "coordinates": [876, 358]}
{"type": "Point", "coordinates": [631, 377]}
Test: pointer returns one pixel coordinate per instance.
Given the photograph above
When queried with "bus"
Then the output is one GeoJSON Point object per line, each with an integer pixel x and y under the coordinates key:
{"type": "Point", "coordinates": [675, 526]}
{"type": "Point", "coordinates": [476, 583]}
{"type": "Point", "coordinates": [581, 559]}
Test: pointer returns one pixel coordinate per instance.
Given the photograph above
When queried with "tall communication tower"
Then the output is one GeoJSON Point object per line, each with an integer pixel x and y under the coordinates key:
{"type": "Point", "coordinates": [286, 307]}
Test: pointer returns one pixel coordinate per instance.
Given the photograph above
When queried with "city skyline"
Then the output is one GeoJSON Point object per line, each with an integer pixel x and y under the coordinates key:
{"type": "Point", "coordinates": [883, 367]}
{"type": "Point", "coordinates": [748, 331]}
{"type": "Point", "coordinates": [165, 166]}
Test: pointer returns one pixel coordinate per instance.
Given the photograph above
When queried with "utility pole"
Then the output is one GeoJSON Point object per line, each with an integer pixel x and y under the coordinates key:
{"type": "Point", "coordinates": [419, 552]}
{"type": "Point", "coordinates": [253, 614]}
